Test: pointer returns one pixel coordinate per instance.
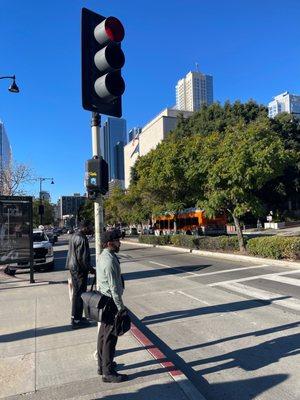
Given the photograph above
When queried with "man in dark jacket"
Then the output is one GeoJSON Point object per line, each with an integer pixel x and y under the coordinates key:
{"type": "Point", "coordinates": [79, 264]}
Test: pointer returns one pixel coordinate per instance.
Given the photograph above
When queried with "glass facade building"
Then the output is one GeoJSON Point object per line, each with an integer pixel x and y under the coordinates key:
{"type": "Point", "coordinates": [5, 149]}
{"type": "Point", "coordinates": [113, 138]}
{"type": "Point", "coordinates": [5, 156]}
{"type": "Point", "coordinates": [284, 102]}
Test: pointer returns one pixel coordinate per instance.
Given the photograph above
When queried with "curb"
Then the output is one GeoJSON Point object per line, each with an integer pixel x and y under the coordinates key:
{"type": "Point", "coordinates": [176, 374]}
{"type": "Point", "coordinates": [226, 256]}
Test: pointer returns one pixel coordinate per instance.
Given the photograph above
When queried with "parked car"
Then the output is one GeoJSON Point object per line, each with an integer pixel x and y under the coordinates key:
{"type": "Point", "coordinates": [43, 257]}
{"type": "Point", "coordinates": [52, 236]}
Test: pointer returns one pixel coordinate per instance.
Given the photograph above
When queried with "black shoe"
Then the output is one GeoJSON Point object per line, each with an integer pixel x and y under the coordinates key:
{"type": "Point", "coordinates": [114, 378]}
{"type": "Point", "coordinates": [85, 321]}
{"type": "Point", "coordinates": [114, 366]}
{"type": "Point", "coordinates": [80, 324]}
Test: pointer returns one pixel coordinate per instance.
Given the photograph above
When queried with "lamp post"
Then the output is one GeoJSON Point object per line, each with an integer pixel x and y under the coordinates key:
{"type": "Point", "coordinates": [41, 207]}
{"type": "Point", "coordinates": [13, 87]}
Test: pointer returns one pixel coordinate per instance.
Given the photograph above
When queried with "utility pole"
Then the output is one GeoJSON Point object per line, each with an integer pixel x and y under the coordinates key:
{"type": "Point", "coordinates": [98, 204]}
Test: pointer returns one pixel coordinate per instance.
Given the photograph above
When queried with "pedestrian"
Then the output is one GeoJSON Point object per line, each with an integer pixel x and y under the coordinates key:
{"type": "Point", "coordinates": [111, 284]}
{"type": "Point", "coordinates": [79, 264]}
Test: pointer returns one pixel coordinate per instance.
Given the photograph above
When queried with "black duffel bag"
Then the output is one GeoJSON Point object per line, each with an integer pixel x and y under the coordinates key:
{"type": "Point", "coordinates": [93, 302]}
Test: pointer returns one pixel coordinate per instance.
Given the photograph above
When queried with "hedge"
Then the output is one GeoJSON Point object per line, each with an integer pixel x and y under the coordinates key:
{"type": "Point", "coordinates": [153, 239]}
{"type": "Point", "coordinates": [206, 242]}
{"type": "Point", "coordinates": [276, 247]}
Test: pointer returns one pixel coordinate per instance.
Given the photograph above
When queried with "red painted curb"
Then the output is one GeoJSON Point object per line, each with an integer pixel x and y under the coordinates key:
{"type": "Point", "coordinates": [155, 352]}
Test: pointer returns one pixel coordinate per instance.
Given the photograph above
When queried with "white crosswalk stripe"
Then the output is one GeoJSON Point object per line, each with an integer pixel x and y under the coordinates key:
{"type": "Point", "coordinates": [284, 279]}
{"type": "Point", "coordinates": [252, 278]}
{"type": "Point", "coordinates": [291, 303]}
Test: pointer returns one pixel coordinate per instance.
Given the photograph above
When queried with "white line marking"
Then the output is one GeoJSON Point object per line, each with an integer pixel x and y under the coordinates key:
{"type": "Point", "coordinates": [208, 273]}
{"type": "Point", "coordinates": [251, 278]}
{"type": "Point", "coordinates": [193, 297]}
{"type": "Point", "coordinates": [283, 279]}
{"type": "Point", "coordinates": [224, 271]}
{"type": "Point", "coordinates": [291, 303]}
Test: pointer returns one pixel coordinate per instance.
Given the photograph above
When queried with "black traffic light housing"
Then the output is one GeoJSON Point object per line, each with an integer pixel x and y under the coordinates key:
{"type": "Point", "coordinates": [96, 177]}
{"type": "Point", "coordinates": [101, 61]}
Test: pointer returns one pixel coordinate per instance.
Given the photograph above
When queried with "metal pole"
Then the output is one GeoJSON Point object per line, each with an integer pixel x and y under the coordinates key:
{"type": "Point", "coordinates": [31, 242]}
{"type": "Point", "coordinates": [98, 204]}
{"type": "Point", "coordinates": [41, 216]}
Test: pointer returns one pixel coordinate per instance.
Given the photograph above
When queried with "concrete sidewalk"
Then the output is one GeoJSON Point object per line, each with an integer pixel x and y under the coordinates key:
{"type": "Point", "coordinates": [42, 358]}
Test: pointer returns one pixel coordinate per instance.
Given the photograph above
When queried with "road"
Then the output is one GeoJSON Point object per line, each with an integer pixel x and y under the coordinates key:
{"type": "Point", "coordinates": [232, 327]}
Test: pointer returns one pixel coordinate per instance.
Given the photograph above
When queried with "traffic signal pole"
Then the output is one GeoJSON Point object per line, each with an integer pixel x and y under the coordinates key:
{"type": "Point", "coordinates": [98, 204]}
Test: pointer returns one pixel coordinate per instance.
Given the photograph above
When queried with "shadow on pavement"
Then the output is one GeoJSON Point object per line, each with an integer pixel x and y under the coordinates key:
{"type": "Point", "coordinates": [262, 332]}
{"type": "Point", "coordinates": [128, 276]}
{"type": "Point", "coordinates": [254, 357]}
{"type": "Point", "coordinates": [246, 389]}
{"type": "Point", "coordinates": [220, 308]}
{"type": "Point", "coordinates": [31, 333]}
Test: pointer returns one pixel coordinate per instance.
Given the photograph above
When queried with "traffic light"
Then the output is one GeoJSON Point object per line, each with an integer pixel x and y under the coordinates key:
{"type": "Point", "coordinates": [101, 61]}
{"type": "Point", "coordinates": [96, 177]}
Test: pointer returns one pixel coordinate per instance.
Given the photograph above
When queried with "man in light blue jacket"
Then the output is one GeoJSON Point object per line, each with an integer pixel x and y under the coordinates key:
{"type": "Point", "coordinates": [111, 284]}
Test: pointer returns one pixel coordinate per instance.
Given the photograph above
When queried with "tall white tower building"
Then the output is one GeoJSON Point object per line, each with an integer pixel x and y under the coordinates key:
{"type": "Point", "coordinates": [194, 91]}
{"type": "Point", "coordinates": [284, 102]}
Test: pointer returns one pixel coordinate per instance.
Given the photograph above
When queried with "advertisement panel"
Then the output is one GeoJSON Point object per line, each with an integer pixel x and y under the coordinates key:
{"type": "Point", "coordinates": [15, 229]}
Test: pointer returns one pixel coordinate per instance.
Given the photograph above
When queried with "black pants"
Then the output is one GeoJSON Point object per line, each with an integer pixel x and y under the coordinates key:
{"type": "Point", "coordinates": [79, 282]}
{"type": "Point", "coordinates": [107, 341]}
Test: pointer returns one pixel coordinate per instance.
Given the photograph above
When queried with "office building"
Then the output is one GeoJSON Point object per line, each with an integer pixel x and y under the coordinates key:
{"type": "Point", "coordinates": [112, 142]}
{"type": "Point", "coordinates": [69, 205]}
{"type": "Point", "coordinates": [133, 133]}
{"type": "Point", "coordinates": [149, 137]}
{"type": "Point", "coordinates": [5, 160]}
{"type": "Point", "coordinates": [284, 102]}
{"type": "Point", "coordinates": [194, 91]}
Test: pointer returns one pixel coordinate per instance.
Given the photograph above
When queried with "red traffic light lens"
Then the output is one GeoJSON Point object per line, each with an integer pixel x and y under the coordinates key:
{"type": "Point", "coordinates": [114, 29]}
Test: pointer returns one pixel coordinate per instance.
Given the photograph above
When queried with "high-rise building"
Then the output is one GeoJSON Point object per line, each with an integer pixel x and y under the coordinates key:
{"type": "Point", "coordinates": [69, 205]}
{"type": "Point", "coordinates": [5, 159]}
{"type": "Point", "coordinates": [112, 142]}
{"type": "Point", "coordinates": [150, 136]}
{"type": "Point", "coordinates": [133, 133]}
{"type": "Point", "coordinates": [194, 91]}
{"type": "Point", "coordinates": [284, 102]}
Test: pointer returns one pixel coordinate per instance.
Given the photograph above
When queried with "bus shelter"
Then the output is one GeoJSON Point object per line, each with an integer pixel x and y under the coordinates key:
{"type": "Point", "coordinates": [16, 227]}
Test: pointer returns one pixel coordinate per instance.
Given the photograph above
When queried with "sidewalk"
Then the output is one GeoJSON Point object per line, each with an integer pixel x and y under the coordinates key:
{"type": "Point", "coordinates": [40, 355]}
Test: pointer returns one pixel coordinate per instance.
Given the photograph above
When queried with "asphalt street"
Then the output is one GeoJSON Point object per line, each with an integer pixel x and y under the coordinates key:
{"type": "Point", "coordinates": [232, 327]}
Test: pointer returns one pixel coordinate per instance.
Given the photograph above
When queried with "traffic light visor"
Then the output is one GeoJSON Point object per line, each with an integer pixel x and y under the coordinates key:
{"type": "Point", "coordinates": [114, 29]}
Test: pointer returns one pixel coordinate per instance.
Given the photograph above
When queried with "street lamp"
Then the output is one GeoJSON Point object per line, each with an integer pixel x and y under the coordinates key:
{"type": "Point", "coordinates": [41, 206]}
{"type": "Point", "coordinates": [13, 87]}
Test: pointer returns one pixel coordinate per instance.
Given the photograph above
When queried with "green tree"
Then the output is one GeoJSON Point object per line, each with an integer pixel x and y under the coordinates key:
{"type": "Point", "coordinates": [86, 211]}
{"type": "Point", "coordinates": [238, 163]}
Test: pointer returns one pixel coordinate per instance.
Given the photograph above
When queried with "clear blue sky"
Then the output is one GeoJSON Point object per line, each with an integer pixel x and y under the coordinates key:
{"type": "Point", "coordinates": [252, 49]}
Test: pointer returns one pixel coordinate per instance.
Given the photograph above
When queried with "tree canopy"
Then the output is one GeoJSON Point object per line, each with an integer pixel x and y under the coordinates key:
{"type": "Point", "coordinates": [222, 158]}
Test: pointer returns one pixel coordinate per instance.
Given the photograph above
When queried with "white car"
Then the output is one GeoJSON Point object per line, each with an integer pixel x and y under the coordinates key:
{"type": "Point", "coordinates": [43, 257]}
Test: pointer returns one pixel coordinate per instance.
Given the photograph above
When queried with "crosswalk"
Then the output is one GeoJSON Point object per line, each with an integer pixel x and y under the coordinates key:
{"type": "Point", "coordinates": [239, 285]}
{"type": "Point", "coordinates": [276, 298]}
